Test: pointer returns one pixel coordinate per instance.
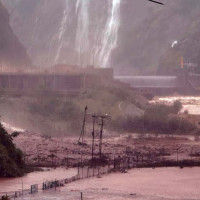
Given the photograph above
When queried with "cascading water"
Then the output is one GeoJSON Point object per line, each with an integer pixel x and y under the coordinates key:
{"type": "Point", "coordinates": [82, 35]}
{"type": "Point", "coordinates": [110, 34]}
{"type": "Point", "coordinates": [62, 30]}
{"type": "Point", "coordinates": [76, 32]}
{"type": "Point", "coordinates": [97, 51]}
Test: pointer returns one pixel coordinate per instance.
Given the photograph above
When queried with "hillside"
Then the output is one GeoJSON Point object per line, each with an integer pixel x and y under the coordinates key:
{"type": "Point", "coordinates": [12, 53]}
{"type": "Point", "coordinates": [52, 113]}
{"type": "Point", "coordinates": [149, 43]}
{"type": "Point", "coordinates": [188, 45]}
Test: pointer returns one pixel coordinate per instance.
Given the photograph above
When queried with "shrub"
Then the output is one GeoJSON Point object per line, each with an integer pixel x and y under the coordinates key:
{"type": "Point", "coordinates": [11, 158]}
{"type": "Point", "coordinates": [156, 119]}
{"type": "Point", "coordinates": [4, 198]}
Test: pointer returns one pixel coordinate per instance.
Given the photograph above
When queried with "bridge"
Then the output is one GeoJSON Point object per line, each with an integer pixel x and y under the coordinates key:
{"type": "Point", "coordinates": [183, 83]}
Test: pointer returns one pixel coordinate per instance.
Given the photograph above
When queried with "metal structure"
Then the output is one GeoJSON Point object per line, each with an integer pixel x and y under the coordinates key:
{"type": "Point", "coordinates": [93, 132]}
{"type": "Point", "coordinates": [101, 136]}
{"type": "Point", "coordinates": [83, 127]}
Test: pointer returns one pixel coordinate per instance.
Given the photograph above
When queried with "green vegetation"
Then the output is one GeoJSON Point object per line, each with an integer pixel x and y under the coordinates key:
{"type": "Point", "coordinates": [11, 158]}
{"type": "Point", "coordinates": [4, 198]}
{"type": "Point", "coordinates": [61, 114]}
{"type": "Point", "coordinates": [53, 114]}
{"type": "Point", "coordinates": [158, 118]}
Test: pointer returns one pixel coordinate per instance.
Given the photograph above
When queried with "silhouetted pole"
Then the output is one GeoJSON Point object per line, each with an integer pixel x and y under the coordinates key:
{"type": "Point", "coordinates": [93, 131]}
{"type": "Point", "coordinates": [83, 127]}
{"type": "Point", "coordinates": [22, 186]}
{"type": "Point", "coordinates": [101, 136]}
{"type": "Point", "coordinates": [191, 154]}
{"type": "Point", "coordinates": [81, 196]}
{"type": "Point", "coordinates": [177, 151]}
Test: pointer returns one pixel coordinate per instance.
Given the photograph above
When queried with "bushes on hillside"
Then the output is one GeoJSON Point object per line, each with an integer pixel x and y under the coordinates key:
{"type": "Point", "coordinates": [158, 118]}
{"type": "Point", "coordinates": [11, 158]}
{"type": "Point", "coordinates": [55, 114]}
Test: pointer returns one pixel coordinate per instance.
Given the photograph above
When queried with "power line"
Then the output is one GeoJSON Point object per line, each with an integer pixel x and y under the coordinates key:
{"type": "Point", "coordinates": [156, 2]}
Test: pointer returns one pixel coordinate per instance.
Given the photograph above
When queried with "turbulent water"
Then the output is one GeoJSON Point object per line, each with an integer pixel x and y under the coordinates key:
{"type": "Point", "coordinates": [95, 35]}
{"type": "Point", "coordinates": [110, 33]}
{"type": "Point", "coordinates": [141, 184]}
{"type": "Point", "coordinates": [94, 46]}
{"type": "Point", "coordinates": [15, 184]}
{"type": "Point", "coordinates": [78, 32]}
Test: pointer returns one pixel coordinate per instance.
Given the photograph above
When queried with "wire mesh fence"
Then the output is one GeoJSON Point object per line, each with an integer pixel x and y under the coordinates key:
{"type": "Point", "coordinates": [82, 173]}
{"type": "Point", "coordinates": [117, 164]}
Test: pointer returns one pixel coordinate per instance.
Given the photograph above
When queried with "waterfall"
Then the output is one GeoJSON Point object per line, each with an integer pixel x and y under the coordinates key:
{"type": "Point", "coordinates": [82, 35]}
{"type": "Point", "coordinates": [85, 31]}
{"type": "Point", "coordinates": [62, 30]}
{"type": "Point", "coordinates": [92, 42]}
{"type": "Point", "coordinates": [109, 39]}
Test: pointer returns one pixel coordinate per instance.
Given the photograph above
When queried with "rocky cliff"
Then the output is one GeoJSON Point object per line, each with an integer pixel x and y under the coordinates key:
{"type": "Point", "coordinates": [134, 37]}
{"type": "Point", "coordinates": [80, 32]}
{"type": "Point", "coordinates": [12, 53]}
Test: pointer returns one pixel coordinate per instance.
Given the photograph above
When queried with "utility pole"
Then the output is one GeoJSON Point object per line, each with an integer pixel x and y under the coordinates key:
{"type": "Point", "coordinates": [101, 136]}
{"type": "Point", "coordinates": [83, 127]}
{"type": "Point", "coordinates": [22, 186]}
{"type": "Point", "coordinates": [81, 196]}
{"type": "Point", "coordinates": [177, 151]}
{"type": "Point", "coordinates": [93, 131]}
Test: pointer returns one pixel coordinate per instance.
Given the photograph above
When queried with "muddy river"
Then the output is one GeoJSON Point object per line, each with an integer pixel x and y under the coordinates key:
{"type": "Point", "coordinates": [16, 184]}
{"type": "Point", "coordinates": [140, 184]}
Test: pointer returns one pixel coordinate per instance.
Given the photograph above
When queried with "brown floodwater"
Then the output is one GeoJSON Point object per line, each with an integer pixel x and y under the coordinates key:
{"type": "Point", "coordinates": [15, 184]}
{"type": "Point", "coordinates": [140, 184]}
{"type": "Point", "coordinates": [168, 183]}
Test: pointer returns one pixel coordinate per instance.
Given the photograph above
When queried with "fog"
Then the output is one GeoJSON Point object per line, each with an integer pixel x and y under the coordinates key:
{"type": "Point", "coordinates": [95, 85]}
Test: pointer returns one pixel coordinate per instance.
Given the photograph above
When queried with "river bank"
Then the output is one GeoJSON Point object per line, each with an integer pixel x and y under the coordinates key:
{"type": "Point", "coordinates": [65, 151]}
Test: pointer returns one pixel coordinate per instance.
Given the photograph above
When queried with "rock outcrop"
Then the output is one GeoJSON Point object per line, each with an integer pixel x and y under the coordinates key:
{"type": "Point", "coordinates": [12, 53]}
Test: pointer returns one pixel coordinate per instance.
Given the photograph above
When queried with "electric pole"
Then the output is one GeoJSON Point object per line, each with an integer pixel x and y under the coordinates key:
{"type": "Point", "coordinates": [101, 136]}
{"type": "Point", "coordinates": [93, 131]}
{"type": "Point", "coordinates": [83, 127]}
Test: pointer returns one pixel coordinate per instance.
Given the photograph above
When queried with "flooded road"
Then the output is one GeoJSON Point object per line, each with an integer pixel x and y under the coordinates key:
{"type": "Point", "coordinates": [140, 184]}
{"type": "Point", "coordinates": [15, 184]}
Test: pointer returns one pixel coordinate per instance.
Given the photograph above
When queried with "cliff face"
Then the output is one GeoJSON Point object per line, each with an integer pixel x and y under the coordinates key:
{"type": "Point", "coordinates": [188, 45]}
{"type": "Point", "coordinates": [149, 46]}
{"type": "Point", "coordinates": [131, 36]}
{"type": "Point", "coordinates": [80, 32]}
{"type": "Point", "coordinates": [12, 53]}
